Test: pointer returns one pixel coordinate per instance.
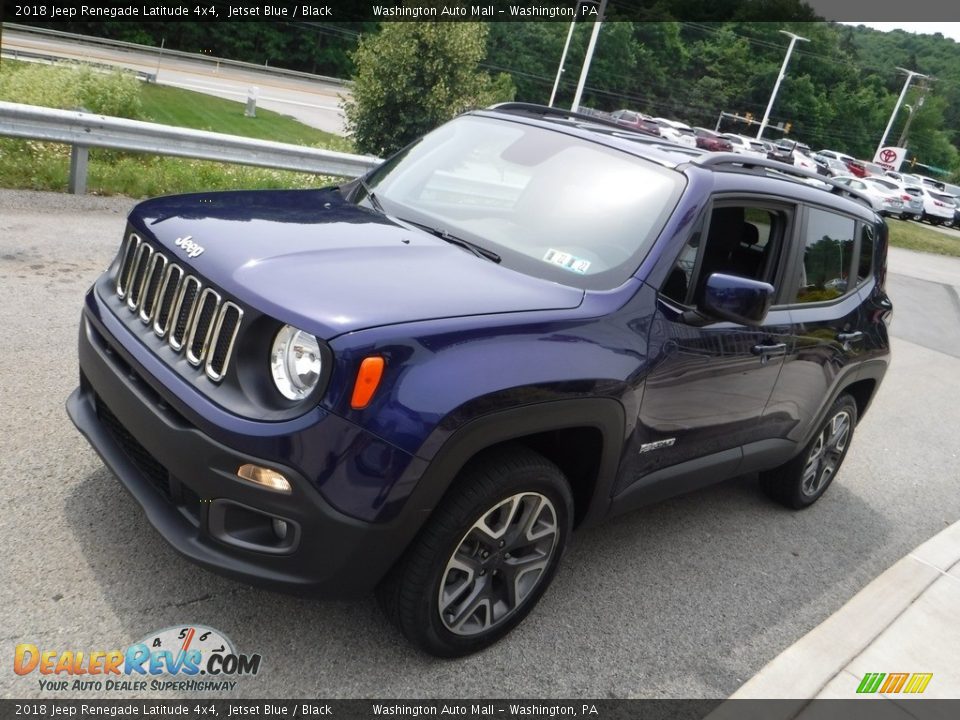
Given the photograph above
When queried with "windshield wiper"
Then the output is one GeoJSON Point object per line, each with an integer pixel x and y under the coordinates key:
{"type": "Point", "coordinates": [374, 200]}
{"type": "Point", "coordinates": [480, 252]}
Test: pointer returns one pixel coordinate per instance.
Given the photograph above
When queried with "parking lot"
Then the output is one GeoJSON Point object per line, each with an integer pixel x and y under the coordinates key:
{"type": "Point", "coordinates": [685, 599]}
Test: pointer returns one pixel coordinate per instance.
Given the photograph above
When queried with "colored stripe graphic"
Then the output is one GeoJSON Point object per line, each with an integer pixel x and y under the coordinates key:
{"type": "Point", "coordinates": [918, 683]}
{"type": "Point", "coordinates": [870, 682]}
{"type": "Point", "coordinates": [894, 683]}
{"type": "Point", "coordinates": [913, 683]}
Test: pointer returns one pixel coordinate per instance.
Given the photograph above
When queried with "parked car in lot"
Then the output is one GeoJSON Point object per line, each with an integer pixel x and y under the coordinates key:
{"type": "Point", "coordinates": [842, 157]}
{"type": "Point", "coordinates": [792, 153]}
{"type": "Point", "coordinates": [882, 199]}
{"type": "Point", "coordinates": [421, 381]}
{"type": "Point", "coordinates": [834, 167]}
{"type": "Point", "coordinates": [711, 141]}
{"type": "Point", "coordinates": [745, 146]}
{"type": "Point", "coordinates": [938, 208]}
{"type": "Point", "coordinates": [857, 168]}
{"type": "Point", "coordinates": [677, 132]}
{"type": "Point", "coordinates": [911, 195]}
{"type": "Point", "coordinates": [636, 121]}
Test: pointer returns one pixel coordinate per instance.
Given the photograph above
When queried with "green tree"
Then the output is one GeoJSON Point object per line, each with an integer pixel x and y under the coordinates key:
{"type": "Point", "coordinates": [411, 77]}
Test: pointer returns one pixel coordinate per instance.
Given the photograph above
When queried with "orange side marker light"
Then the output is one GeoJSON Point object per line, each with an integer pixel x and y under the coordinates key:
{"type": "Point", "coordinates": [368, 378]}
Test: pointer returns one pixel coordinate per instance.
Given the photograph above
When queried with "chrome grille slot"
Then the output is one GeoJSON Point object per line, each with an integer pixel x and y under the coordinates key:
{"type": "Point", "coordinates": [167, 296]}
{"type": "Point", "coordinates": [129, 251]}
{"type": "Point", "coordinates": [151, 288]}
{"type": "Point", "coordinates": [139, 275]}
{"type": "Point", "coordinates": [221, 343]}
{"type": "Point", "coordinates": [183, 311]}
{"type": "Point", "coordinates": [201, 326]}
{"type": "Point", "coordinates": [178, 307]}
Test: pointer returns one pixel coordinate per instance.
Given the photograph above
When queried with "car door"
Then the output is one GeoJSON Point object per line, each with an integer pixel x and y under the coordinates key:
{"type": "Point", "coordinates": [826, 336]}
{"type": "Point", "coordinates": [710, 380]}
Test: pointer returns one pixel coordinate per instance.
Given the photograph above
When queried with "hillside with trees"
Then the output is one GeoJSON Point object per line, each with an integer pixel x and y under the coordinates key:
{"type": "Point", "coordinates": [840, 88]}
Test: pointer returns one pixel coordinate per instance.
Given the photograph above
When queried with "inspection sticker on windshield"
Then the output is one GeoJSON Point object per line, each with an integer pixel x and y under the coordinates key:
{"type": "Point", "coordinates": [566, 261]}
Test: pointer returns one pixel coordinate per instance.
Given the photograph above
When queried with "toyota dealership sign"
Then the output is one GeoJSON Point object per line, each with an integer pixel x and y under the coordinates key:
{"type": "Point", "coordinates": [889, 158]}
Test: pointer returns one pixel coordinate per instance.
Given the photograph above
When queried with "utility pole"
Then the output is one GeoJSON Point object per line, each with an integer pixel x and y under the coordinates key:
{"type": "Point", "coordinates": [783, 71]}
{"type": "Point", "coordinates": [903, 93]}
{"type": "Point", "coordinates": [563, 60]}
{"type": "Point", "coordinates": [589, 57]}
{"type": "Point", "coordinates": [902, 142]}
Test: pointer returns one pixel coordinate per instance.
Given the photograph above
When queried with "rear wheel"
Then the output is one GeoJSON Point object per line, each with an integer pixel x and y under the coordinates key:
{"type": "Point", "coordinates": [800, 482]}
{"type": "Point", "coordinates": [485, 557]}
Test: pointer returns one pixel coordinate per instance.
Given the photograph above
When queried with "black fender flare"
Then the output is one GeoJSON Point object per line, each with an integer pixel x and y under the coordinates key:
{"type": "Point", "coordinates": [606, 414]}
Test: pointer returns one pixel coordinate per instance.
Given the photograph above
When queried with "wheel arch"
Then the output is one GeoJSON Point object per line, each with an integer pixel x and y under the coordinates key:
{"type": "Point", "coordinates": [555, 429]}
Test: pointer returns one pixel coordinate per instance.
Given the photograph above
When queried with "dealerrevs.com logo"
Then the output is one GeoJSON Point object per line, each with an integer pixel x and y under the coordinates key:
{"type": "Point", "coordinates": [188, 658]}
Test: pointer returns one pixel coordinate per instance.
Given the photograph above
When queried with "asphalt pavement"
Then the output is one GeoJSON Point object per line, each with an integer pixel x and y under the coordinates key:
{"type": "Point", "coordinates": [686, 599]}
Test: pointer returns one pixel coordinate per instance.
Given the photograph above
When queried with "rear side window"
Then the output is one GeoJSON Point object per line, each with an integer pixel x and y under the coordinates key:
{"type": "Point", "coordinates": [827, 256]}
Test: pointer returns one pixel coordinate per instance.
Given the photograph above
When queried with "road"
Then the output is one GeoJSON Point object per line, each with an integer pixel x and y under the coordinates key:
{"type": "Point", "coordinates": [686, 599]}
{"type": "Point", "coordinates": [312, 102]}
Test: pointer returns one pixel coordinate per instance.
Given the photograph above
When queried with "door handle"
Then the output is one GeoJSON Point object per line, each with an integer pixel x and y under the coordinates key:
{"type": "Point", "coordinates": [849, 337]}
{"type": "Point", "coordinates": [774, 349]}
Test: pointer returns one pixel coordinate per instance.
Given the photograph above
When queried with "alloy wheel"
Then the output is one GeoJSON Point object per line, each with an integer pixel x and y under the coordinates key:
{"type": "Point", "coordinates": [498, 563]}
{"type": "Point", "coordinates": [826, 454]}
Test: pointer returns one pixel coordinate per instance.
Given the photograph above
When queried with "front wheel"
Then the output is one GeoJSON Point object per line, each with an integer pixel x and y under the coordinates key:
{"type": "Point", "coordinates": [485, 557]}
{"type": "Point", "coordinates": [801, 481]}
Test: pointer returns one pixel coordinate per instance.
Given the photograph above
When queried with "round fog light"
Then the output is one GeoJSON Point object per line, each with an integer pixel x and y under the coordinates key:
{"type": "Point", "coordinates": [279, 528]}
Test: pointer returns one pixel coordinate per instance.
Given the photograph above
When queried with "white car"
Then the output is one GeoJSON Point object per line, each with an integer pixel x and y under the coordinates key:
{"type": "Point", "coordinates": [938, 208]}
{"type": "Point", "coordinates": [745, 146]}
{"type": "Point", "coordinates": [882, 199]}
{"type": "Point", "coordinates": [677, 132]}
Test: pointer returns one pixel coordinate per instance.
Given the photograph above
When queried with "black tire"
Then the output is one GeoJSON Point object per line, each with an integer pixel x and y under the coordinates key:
{"type": "Point", "coordinates": [801, 481]}
{"type": "Point", "coordinates": [514, 489]}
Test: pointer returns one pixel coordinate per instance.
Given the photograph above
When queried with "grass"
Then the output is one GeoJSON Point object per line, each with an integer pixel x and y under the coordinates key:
{"type": "Point", "coordinates": [45, 166]}
{"type": "Point", "coordinates": [185, 108]}
{"type": "Point", "coordinates": [914, 236]}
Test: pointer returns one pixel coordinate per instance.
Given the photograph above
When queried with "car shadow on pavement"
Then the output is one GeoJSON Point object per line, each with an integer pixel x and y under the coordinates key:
{"type": "Point", "coordinates": [696, 580]}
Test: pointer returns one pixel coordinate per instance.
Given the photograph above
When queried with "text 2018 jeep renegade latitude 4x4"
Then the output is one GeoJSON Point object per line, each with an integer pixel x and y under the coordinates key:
{"type": "Point", "coordinates": [423, 380]}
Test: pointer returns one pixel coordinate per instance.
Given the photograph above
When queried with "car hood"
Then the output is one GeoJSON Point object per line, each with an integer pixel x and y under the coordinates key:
{"type": "Point", "coordinates": [309, 258]}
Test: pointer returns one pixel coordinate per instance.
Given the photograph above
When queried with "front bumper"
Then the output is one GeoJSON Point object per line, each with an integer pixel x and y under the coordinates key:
{"type": "Point", "coordinates": [187, 485]}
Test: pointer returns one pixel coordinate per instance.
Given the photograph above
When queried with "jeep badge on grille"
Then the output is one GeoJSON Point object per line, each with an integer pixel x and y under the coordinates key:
{"type": "Point", "coordinates": [189, 246]}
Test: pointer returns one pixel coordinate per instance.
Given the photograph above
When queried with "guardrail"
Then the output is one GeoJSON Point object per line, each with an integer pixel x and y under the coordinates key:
{"type": "Point", "coordinates": [83, 130]}
{"type": "Point", "coordinates": [210, 59]}
{"type": "Point", "coordinates": [30, 56]}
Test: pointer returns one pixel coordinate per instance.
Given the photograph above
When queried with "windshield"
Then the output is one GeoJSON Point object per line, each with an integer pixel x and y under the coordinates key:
{"type": "Point", "coordinates": [550, 204]}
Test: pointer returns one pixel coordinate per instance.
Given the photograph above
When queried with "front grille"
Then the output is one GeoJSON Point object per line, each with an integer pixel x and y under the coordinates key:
{"type": "Point", "coordinates": [181, 309]}
{"type": "Point", "coordinates": [146, 463]}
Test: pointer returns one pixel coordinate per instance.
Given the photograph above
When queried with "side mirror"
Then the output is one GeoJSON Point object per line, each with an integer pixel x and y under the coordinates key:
{"type": "Point", "coordinates": [736, 299]}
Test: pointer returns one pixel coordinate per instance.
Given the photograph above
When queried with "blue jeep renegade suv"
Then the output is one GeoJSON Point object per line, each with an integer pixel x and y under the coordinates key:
{"type": "Point", "coordinates": [422, 381]}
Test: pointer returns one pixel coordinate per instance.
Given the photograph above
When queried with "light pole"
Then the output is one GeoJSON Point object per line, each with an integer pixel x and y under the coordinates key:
{"type": "Point", "coordinates": [563, 59]}
{"type": "Point", "coordinates": [589, 57]}
{"type": "Point", "coordinates": [783, 71]}
{"type": "Point", "coordinates": [903, 93]}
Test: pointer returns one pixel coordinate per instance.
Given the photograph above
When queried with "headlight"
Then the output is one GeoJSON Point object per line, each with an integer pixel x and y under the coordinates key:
{"type": "Point", "coordinates": [295, 362]}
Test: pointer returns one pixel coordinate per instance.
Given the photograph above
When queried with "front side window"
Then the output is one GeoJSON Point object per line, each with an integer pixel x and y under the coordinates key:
{"type": "Point", "coordinates": [827, 256]}
{"type": "Point", "coordinates": [550, 204]}
{"type": "Point", "coordinates": [743, 239]}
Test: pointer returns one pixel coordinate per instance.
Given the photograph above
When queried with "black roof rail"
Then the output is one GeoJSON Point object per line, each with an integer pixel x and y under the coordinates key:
{"type": "Point", "coordinates": [733, 159]}
{"type": "Point", "coordinates": [545, 111]}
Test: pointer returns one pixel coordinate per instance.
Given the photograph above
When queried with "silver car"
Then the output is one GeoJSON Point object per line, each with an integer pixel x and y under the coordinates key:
{"type": "Point", "coordinates": [883, 200]}
{"type": "Point", "coordinates": [911, 195]}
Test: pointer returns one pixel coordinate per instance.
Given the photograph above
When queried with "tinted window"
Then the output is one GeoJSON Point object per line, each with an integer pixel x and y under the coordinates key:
{"type": "Point", "coordinates": [827, 256]}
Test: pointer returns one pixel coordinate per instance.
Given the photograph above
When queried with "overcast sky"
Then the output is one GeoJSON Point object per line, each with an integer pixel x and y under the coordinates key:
{"type": "Point", "coordinates": [948, 29]}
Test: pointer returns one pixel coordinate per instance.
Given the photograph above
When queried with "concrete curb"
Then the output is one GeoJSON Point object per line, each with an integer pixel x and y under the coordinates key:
{"type": "Point", "coordinates": [804, 669]}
